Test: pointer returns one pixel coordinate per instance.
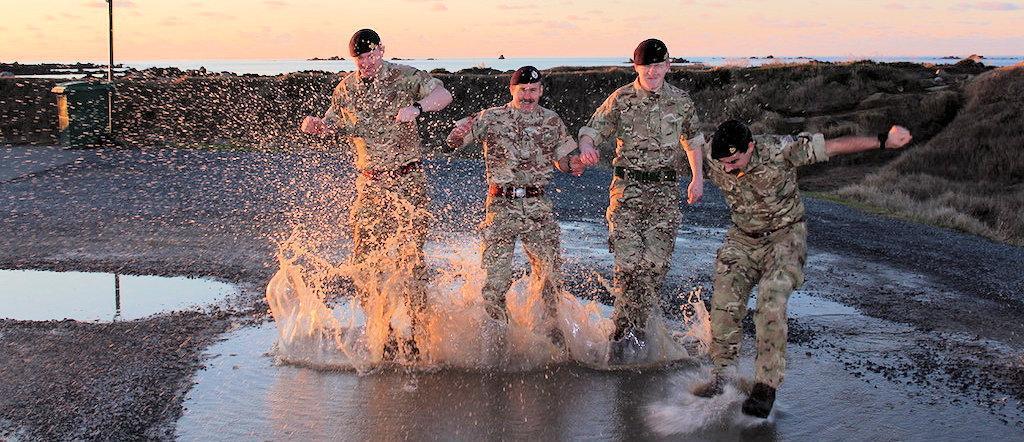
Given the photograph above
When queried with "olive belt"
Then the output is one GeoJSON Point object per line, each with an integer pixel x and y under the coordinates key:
{"type": "Point", "coordinates": [646, 176]}
{"type": "Point", "coordinates": [766, 233]}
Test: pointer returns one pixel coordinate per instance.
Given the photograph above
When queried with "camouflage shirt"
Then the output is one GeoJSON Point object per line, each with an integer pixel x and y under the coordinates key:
{"type": "Point", "coordinates": [648, 127]}
{"type": "Point", "coordinates": [365, 113]}
{"type": "Point", "coordinates": [520, 147]}
{"type": "Point", "coordinates": [764, 197]}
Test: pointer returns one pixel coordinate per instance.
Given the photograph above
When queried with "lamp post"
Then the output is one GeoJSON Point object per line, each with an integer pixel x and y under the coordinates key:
{"type": "Point", "coordinates": [110, 68]}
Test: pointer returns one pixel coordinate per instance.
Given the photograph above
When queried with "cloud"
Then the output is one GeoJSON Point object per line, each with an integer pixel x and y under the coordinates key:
{"type": "Point", "coordinates": [275, 3]}
{"type": "Point", "coordinates": [990, 6]}
{"type": "Point", "coordinates": [438, 7]}
{"type": "Point", "coordinates": [565, 25]}
{"type": "Point", "coordinates": [217, 15]}
{"type": "Point", "coordinates": [508, 7]}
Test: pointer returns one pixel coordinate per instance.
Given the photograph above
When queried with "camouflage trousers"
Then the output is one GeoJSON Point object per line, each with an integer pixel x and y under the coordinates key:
{"type": "Point", "coordinates": [389, 220]}
{"type": "Point", "coordinates": [642, 223]}
{"type": "Point", "coordinates": [532, 222]}
{"type": "Point", "coordinates": [775, 264]}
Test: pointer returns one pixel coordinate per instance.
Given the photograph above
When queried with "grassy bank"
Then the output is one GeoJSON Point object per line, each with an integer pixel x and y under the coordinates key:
{"type": "Point", "coordinates": [963, 172]}
{"type": "Point", "coordinates": [161, 108]}
{"type": "Point", "coordinates": [970, 176]}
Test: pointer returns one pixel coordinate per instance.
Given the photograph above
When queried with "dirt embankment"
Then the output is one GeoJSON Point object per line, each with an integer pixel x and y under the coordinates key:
{"type": "Point", "coordinates": [169, 107]}
{"type": "Point", "coordinates": [971, 175]}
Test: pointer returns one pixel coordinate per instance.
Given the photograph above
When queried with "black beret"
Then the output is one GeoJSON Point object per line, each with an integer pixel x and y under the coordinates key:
{"type": "Point", "coordinates": [730, 138]}
{"type": "Point", "coordinates": [525, 75]}
{"type": "Point", "coordinates": [363, 41]}
{"type": "Point", "coordinates": [650, 51]}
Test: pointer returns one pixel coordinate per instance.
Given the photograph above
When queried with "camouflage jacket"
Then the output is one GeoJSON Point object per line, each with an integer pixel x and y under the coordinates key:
{"type": "Point", "coordinates": [764, 197]}
{"type": "Point", "coordinates": [365, 113]}
{"type": "Point", "coordinates": [649, 127]}
{"type": "Point", "coordinates": [520, 147]}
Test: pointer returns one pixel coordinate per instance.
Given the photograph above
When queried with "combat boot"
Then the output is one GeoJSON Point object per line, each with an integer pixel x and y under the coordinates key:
{"type": "Point", "coordinates": [760, 402]}
{"type": "Point", "coordinates": [630, 348]}
{"type": "Point", "coordinates": [713, 387]}
{"type": "Point", "coordinates": [408, 347]}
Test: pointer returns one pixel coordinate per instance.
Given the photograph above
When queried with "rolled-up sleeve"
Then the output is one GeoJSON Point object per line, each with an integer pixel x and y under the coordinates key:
{"type": "Point", "coordinates": [565, 142]}
{"type": "Point", "coordinates": [425, 84]}
{"type": "Point", "coordinates": [690, 144]}
{"type": "Point", "coordinates": [806, 149]}
{"type": "Point", "coordinates": [477, 131]}
{"type": "Point", "coordinates": [603, 123]}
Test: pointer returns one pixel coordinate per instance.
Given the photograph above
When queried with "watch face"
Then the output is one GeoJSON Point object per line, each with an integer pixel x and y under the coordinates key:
{"type": "Point", "coordinates": [520, 192]}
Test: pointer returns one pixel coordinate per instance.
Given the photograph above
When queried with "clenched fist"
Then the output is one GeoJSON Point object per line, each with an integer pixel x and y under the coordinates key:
{"type": "Point", "coordinates": [899, 136]}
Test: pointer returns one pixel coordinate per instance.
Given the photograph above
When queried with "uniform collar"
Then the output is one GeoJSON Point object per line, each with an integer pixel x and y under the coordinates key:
{"type": "Point", "coordinates": [385, 69]}
{"type": "Point", "coordinates": [755, 158]}
{"type": "Point", "coordinates": [644, 93]}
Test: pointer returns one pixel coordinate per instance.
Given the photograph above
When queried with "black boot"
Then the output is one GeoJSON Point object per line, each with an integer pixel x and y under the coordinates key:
{"type": "Point", "coordinates": [760, 402]}
{"type": "Point", "coordinates": [711, 388]}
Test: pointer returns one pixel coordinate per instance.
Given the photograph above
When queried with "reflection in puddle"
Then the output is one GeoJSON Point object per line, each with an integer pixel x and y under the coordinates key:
{"type": "Point", "coordinates": [34, 295]}
{"type": "Point", "coordinates": [243, 395]}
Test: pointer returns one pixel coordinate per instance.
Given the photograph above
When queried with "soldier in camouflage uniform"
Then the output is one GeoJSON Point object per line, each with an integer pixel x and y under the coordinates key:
{"type": "Point", "coordinates": [767, 245]}
{"type": "Point", "coordinates": [651, 122]}
{"type": "Point", "coordinates": [523, 142]}
{"type": "Point", "coordinates": [376, 108]}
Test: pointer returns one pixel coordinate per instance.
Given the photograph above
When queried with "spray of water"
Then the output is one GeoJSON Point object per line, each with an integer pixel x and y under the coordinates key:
{"type": "Point", "coordinates": [321, 325]}
{"type": "Point", "coordinates": [683, 413]}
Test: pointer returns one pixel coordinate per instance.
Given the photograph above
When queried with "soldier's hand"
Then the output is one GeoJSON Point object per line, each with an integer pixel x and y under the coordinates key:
{"type": "Point", "coordinates": [458, 134]}
{"type": "Point", "coordinates": [694, 191]}
{"type": "Point", "coordinates": [588, 155]}
{"type": "Point", "coordinates": [407, 114]}
{"type": "Point", "coordinates": [313, 125]}
{"type": "Point", "coordinates": [899, 136]}
{"type": "Point", "coordinates": [576, 166]}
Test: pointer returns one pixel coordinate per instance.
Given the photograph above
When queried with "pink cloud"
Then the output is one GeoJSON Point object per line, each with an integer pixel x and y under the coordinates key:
{"type": "Point", "coordinates": [509, 7]}
{"type": "Point", "coordinates": [438, 7]}
{"type": "Point", "coordinates": [990, 6]}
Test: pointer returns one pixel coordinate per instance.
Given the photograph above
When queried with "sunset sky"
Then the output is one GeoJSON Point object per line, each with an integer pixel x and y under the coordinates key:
{"type": "Point", "coordinates": [70, 30]}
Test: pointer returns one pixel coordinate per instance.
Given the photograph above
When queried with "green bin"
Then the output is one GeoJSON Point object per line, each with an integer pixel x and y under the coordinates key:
{"type": "Point", "coordinates": [82, 117]}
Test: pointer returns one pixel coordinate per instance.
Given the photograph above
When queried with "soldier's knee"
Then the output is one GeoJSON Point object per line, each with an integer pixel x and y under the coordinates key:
{"type": "Point", "coordinates": [778, 283]}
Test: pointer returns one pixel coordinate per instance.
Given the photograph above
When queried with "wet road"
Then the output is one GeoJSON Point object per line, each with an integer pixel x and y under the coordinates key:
{"type": "Point", "coordinates": [956, 298]}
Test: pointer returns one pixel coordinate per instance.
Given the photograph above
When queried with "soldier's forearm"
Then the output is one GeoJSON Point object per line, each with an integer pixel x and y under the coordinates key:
{"type": "Point", "coordinates": [848, 145]}
{"type": "Point", "coordinates": [436, 100]}
{"type": "Point", "coordinates": [695, 157]}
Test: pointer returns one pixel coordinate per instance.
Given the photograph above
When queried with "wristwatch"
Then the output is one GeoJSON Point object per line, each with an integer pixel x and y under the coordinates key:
{"type": "Point", "coordinates": [418, 107]}
{"type": "Point", "coordinates": [883, 137]}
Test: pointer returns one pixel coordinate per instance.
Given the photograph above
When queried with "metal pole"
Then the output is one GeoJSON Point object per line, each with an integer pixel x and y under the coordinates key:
{"type": "Point", "coordinates": [117, 296]}
{"type": "Point", "coordinates": [110, 68]}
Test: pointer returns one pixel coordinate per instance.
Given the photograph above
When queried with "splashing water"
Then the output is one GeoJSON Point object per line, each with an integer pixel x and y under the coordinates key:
{"type": "Point", "coordinates": [322, 326]}
{"type": "Point", "coordinates": [684, 413]}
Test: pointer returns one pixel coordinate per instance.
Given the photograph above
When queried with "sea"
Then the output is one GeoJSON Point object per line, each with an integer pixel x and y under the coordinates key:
{"type": "Point", "coordinates": [278, 67]}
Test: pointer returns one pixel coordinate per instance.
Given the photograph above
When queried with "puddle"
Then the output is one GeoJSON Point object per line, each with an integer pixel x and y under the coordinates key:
{"type": "Point", "coordinates": [41, 295]}
{"type": "Point", "coordinates": [243, 395]}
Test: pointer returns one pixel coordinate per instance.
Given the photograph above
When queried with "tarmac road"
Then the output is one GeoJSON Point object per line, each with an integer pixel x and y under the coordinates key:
{"type": "Point", "coordinates": [219, 214]}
